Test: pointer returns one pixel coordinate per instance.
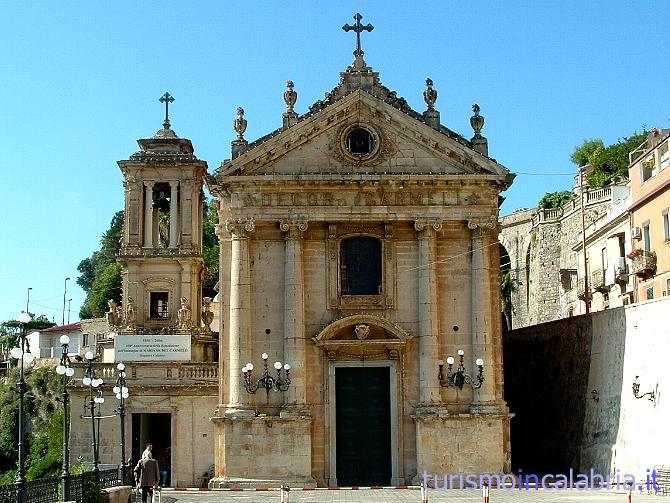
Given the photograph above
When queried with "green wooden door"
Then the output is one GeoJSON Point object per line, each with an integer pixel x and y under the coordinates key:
{"type": "Point", "coordinates": [363, 428]}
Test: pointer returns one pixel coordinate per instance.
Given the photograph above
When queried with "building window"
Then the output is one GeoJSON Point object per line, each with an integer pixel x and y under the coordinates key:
{"type": "Point", "coordinates": [663, 156]}
{"type": "Point", "coordinates": [646, 236]}
{"type": "Point", "coordinates": [84, 340]}
{"type": "Point", "coordinates": [648, 168]}
{"type": "Point", "coordinates": [159, 306]}
{"type": "Point", "coordinates": [666, 225]}
{"type": "Point", "coordinates": [650, 293]}
{"type": "Point", "coordinates": [361, 266]}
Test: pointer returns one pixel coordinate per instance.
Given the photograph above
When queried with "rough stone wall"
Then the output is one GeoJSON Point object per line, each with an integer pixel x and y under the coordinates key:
{"type": "Point", "coordinates": [569, 383]}
{"type": "Point", "coordinates": [546, 286]}
{"type": "Point", "coordinates": [515, 237]}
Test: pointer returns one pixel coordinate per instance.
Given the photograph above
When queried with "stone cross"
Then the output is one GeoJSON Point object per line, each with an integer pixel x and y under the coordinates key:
{"type": "Point", "coordinates": [358, 28]}
{"type": "Point", "coordinates": [167, 99]}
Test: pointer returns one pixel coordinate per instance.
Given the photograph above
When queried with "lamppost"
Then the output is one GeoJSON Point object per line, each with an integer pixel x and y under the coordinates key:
{"type": "Point", "coordinates": [266, 381]}
{"type": "Point", "coordinates": [94, 398]}
{"type": "Point", "coordinates": [121, 392]}
{"type": "Point", "coordinates": [26, 357]}
{"type": "Point", "coordinates": [459, 378]}
{"type": "Point", "coordinates": [64, 295]}
{"type": "Point", "coordinates": [64, 369]}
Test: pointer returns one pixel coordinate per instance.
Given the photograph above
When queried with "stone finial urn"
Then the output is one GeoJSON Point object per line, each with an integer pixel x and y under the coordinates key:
{"type": "Point", "coordinates": [477, 121]}
{"type": "Point", "coordinates": [290, 96]}
{"type": "Point", "coordinates": [240, 124]}
{"type": "Point", "coordinates": [430, 95]}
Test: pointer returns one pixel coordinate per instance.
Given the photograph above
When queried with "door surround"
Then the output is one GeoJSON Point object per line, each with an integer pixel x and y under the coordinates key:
{"type": "Point", "coordinates": [393, 391]}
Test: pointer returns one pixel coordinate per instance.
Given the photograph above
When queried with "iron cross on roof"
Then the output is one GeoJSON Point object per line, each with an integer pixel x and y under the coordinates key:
{"type": "Point", "coordinates": [358, 28]}
{"type": "Point", "coordinates": [167, 99]}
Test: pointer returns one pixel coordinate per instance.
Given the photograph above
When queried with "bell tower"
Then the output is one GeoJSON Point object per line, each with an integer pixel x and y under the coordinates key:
{"type": "Point", "coordinates": [161, 252]}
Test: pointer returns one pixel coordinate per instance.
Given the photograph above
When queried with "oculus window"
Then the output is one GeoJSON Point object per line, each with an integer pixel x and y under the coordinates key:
{"type": "Point", "coordinates": [361, 266]}
{"type": "Point", "coordinates": [360, 141]}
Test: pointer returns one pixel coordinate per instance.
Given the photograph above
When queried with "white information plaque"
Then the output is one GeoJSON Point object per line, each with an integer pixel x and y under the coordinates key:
{"type": "Point", "coordinates": [152, 348]}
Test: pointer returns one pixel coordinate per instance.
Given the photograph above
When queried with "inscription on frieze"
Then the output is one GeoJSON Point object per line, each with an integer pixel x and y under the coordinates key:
{"type": "Point", "coordinates": [359, 198]}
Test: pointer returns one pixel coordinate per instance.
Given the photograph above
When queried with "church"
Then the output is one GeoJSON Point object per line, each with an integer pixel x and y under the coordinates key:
{"type": "Point", "coordinates": [358, 338]}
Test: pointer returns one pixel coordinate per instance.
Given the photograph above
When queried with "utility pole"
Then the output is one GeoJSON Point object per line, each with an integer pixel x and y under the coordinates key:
{"type": "Point", "coordinates": [586, 270]}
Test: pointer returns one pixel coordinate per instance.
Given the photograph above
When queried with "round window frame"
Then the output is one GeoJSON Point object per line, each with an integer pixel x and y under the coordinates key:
{"type": "Point", "coordinates": [376, 139]}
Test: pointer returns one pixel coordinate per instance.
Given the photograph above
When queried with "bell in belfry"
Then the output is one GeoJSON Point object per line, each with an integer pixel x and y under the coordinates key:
{"type": "Point", "coordinates": [161, 202]}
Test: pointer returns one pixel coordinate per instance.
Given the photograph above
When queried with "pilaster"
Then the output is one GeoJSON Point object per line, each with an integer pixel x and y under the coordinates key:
{"type": "Point", "coordinates": [239, 331]}
{"type": "Point", "coordinates": [483, 313]}
{"type": "Point", "coordinates": [429, 390]}
{"type": "Point", "coordinates": [294, 313]}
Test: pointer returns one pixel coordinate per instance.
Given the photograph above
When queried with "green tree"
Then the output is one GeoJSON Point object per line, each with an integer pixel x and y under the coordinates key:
{"type": "Point", "coordinates": [580, 156]}
{"type": "Point", "coordinates": [555, 199]}
{"type": "Point", "coordinates": [98, 265]}
{"type": "Point", "coordinates": [210, 248]}
{"type": "Point", "coordinates": [608, 162]}
{"type": "Point", "coordinates": [106, 286]}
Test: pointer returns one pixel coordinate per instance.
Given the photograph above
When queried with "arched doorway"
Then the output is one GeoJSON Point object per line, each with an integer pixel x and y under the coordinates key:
{"type": "Point", "coordinates": [364, 404]}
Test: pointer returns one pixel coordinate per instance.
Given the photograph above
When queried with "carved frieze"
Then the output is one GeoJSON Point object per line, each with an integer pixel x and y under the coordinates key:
{"type": "Point", "coordinates": [378, 197]}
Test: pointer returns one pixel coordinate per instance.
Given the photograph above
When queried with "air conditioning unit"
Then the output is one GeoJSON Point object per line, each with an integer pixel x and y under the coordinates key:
{"type": "Point", "coordinates": [636, 233]}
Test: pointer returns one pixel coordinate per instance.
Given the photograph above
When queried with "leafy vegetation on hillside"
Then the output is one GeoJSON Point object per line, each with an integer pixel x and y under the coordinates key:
{"type": "Point", "coordinates": [555, 199]}
{"type": "Point", "coordinates": [44, 419]}
{"type": "Point", "coordinates": [608, 162]}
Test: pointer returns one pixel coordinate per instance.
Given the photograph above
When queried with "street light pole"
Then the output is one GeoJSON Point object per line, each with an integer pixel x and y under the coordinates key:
{"type": "Point", "coordinates": [121, 392]}
{"type": "Point", "coordinates": [28, 301]}
{"type": "Point", "coordinates": [92, 382]}
{"type": "Point", "coordinates": [64, 369]}
{"type": "Point", "coordinates": [64, 295]}
{"type": "Point", "coordinates": [19, 352]}
{"type": "Point", "coordinates": [586, 271]}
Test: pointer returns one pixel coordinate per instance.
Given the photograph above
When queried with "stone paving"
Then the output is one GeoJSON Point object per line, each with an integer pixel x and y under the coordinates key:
{"type": "Point", "coordinates": [407, 496]}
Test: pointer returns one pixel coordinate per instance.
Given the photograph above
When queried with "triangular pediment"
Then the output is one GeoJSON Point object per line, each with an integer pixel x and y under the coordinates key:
{"type": "Point", "coordinates": [405, 145]}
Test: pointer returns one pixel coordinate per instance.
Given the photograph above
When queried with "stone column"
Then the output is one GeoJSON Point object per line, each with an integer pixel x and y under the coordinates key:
{"type": "Point", "coordinates": [174, 213]}
{"type": "Point", "coordinates": [148, 214]}
{"type": "Point", "coordinates": [239, 326]}
{"type": "Point", "coordinates": [483, 314]}
{"type": "Point", "coordinates": [429, 389]}
{"type": "Point", "coordinates": [294, 314]}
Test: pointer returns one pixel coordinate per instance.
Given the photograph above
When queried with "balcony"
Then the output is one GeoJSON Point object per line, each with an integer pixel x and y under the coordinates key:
{"type": "Point", "coordinates": [643, 263]}
{"type": "Point", "coordinates": [621, 271]}
{"type": "Point", "coordinates": [581, 290]}
{"type": "Point", "coordinates": [598, 281]}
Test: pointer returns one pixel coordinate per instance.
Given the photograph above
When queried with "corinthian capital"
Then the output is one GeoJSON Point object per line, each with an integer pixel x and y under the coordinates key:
{"type": "Point", "coordinates": [293, 228]}
{"type": "Point", "coordinates": [240, 227]}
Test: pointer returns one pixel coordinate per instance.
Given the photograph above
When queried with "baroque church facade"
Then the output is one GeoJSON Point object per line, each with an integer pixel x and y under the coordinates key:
{"type": "Point", "coordinates": [359, 250]}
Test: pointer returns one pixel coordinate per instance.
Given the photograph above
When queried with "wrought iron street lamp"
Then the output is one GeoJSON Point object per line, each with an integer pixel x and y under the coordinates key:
{"type": "Point", "coordinates": [459, 378]}
{"type": "Point", "coordinates": [94, 398]}
{"type": "Point", "coordinates": [22, 353]}
{"type": "Point", "coordinates": [65, 370]}
{"type": "Point", "coordinates": [267, 381]}
{"type": "Point", "coordinates": [121, 392]}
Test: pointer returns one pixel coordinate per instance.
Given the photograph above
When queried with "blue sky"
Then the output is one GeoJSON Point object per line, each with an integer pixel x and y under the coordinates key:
{"type": "Point", "coordinates": [80, 82]}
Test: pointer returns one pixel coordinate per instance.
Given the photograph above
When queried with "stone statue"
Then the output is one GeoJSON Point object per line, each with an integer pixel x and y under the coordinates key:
{"type": "Point", "coordinates": [207, 315]}
{"type": "Point", "coordinates": [184, 314]}
{"type": "Point", "coordinates": [113, 314]}
{"type": "Point", "coordinates": [129, 319]}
